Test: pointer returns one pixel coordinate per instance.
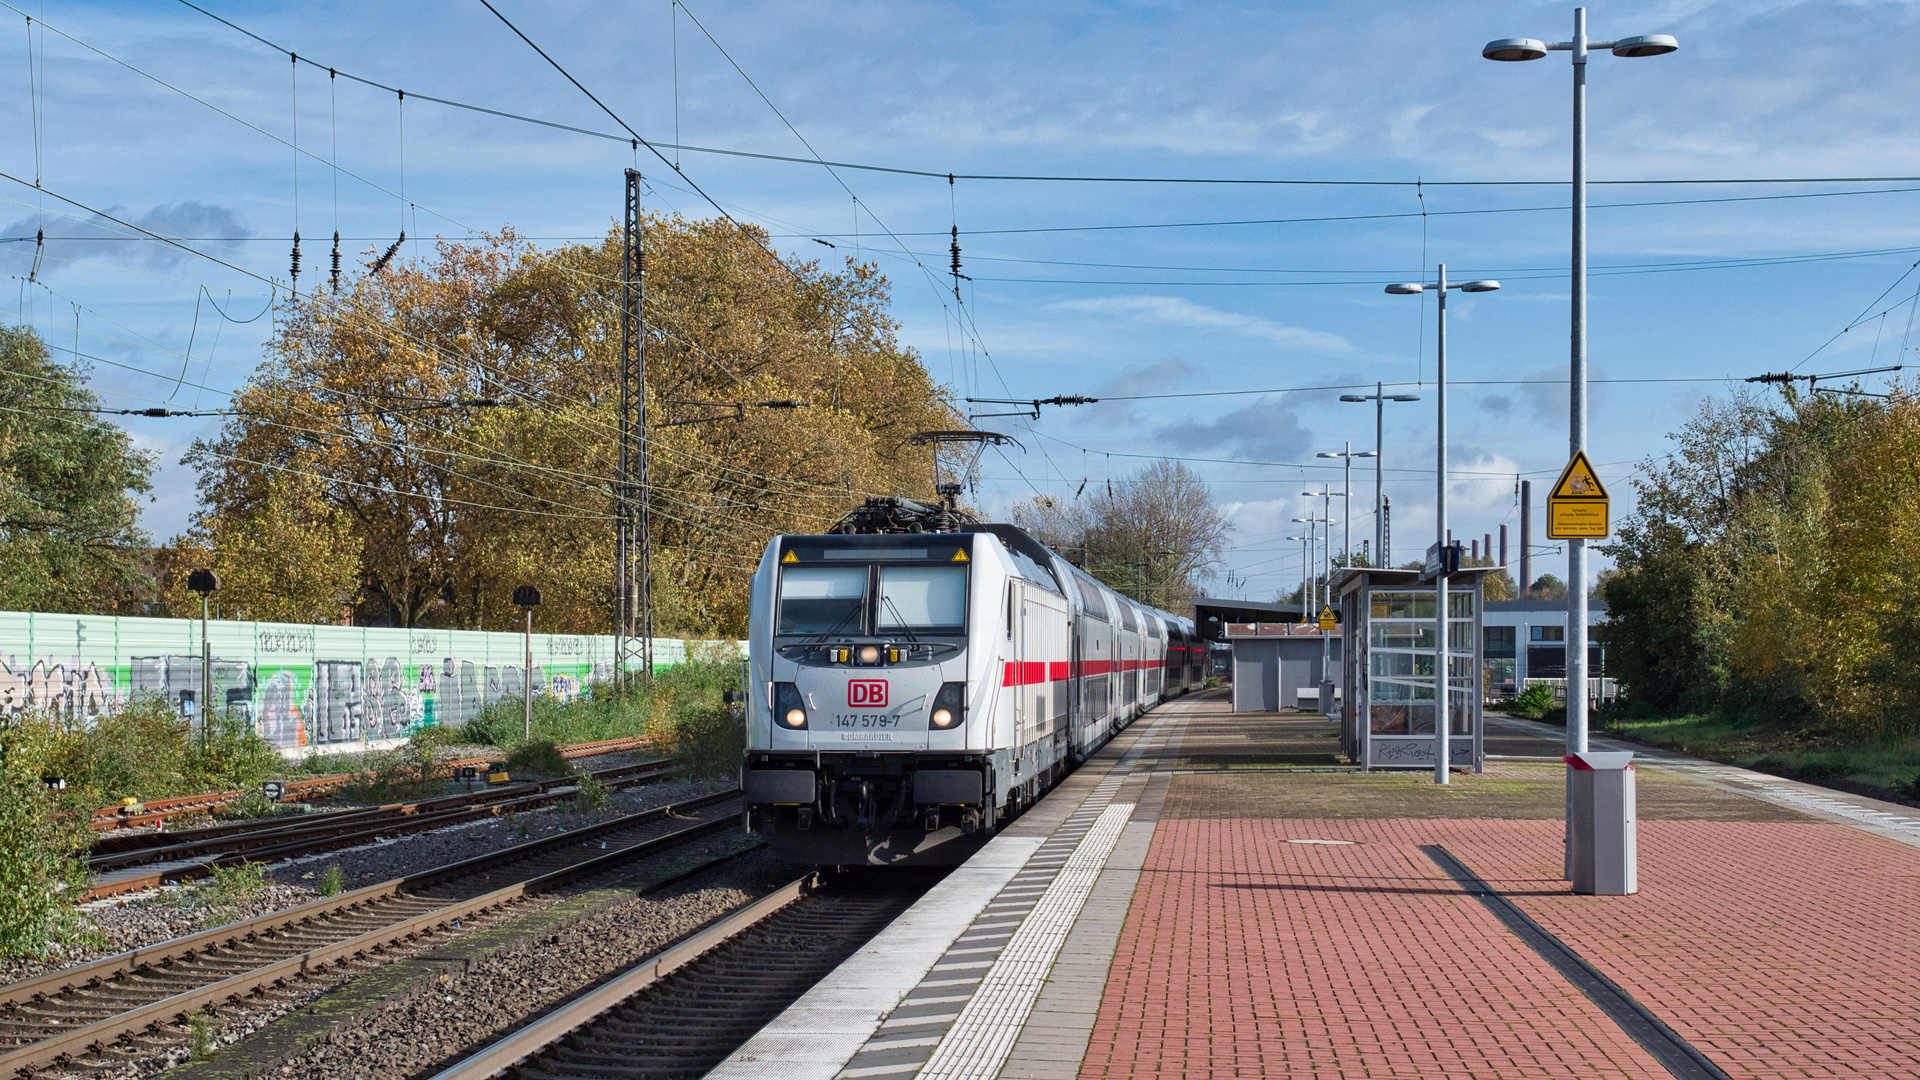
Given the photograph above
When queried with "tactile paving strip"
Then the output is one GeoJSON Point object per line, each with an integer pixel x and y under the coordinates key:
{"type": "Point", "coordinates": [963, 1018]}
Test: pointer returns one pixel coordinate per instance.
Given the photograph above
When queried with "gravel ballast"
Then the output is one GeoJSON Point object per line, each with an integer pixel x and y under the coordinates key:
{"type": "Point", "coordinates": [459, 1012]}
{"type": "Point", "coordinates": [138, 920]}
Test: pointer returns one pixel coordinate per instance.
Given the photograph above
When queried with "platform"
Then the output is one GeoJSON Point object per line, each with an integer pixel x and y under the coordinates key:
{"type": "Point", "coordinates": [1207, 897]}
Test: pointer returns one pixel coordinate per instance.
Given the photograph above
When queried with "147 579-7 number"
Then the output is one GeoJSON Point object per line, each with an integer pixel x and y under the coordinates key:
{"type": "Point", "coordinates": [865, 720]}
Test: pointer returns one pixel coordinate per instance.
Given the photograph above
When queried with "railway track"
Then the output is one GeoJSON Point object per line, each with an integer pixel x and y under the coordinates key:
{"type": "Point", "coordinates": [680, 1012]}
{"type": "Point", "coordinates": [194, 852]}
{"type": "Point", "coordinates": [96, 1016]}
{"type": "Point", "coordinates": [158, 810]}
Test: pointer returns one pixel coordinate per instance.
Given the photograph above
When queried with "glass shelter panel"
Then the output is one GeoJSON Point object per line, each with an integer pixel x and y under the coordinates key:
{"type": "Point", "coordinates": [1400, 666]}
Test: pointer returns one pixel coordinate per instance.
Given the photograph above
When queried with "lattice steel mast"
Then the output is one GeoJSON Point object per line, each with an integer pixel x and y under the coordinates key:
{"type": "Point", "coordinates": [632, 568]}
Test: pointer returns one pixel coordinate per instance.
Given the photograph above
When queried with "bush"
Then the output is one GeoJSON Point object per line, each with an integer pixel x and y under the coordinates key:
{"type": "Point", "coordinates": [231, 887]}
{"type": "Point", "coordinates": [39, 863]}
{"type": "Point", "coordinates": [592, 797]}
{"type": "Point", "coordinates": [229, 754]}
{"type": "Point", "coordinates": [331, 881]}
{"type": "Point", "coordinates": [607, 713]}
{"type": "Point", "coordinates": [251, 805]}
{"type": "Point", "coordinates": [1535, 701]}
{"type": "Point", "coordinates": [709, 740]}
{"type": "Point", "coordinates": [138, 748]}
{"type": "Point", "coordinates": [422, 752]}
{"type": "Point", "coordinates": [540, 757]}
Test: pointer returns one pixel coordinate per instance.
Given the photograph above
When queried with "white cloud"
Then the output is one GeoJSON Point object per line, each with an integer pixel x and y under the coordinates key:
{"type": "Point", "coordinates": [1177, 312]}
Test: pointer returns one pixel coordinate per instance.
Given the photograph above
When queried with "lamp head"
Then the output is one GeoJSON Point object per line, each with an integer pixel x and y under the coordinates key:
{"type": "Point", "coordinates": [1355, 397]}
{"type": "Point", "coordinates": [1479, 286]}
{"type": "Point", "coordinates": [1404, 397]}
{"type": "Point", "coordinates": [1517, 48]}
{"type": "Point", "coordinates": [1646, 45]}
{"type": "Point", "coordinates": [1408, 289]}
{"type": "Point", "coordinates": [1367, 453]}
{"type": "Point", "coordinates": [1327, 453]}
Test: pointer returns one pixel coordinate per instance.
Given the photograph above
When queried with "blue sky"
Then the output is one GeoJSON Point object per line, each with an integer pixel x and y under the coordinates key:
{"type": "Point", "coordinates": [1692, 290]}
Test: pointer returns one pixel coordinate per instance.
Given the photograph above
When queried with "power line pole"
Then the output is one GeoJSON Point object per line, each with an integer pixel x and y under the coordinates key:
{"type": "Point", "coordinates": [632, 570]}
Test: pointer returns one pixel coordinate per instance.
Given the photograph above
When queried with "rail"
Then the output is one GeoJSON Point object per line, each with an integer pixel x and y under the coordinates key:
{"type": "Point", "coordinates": [270, 840]}
{"type": "Point", "coordinates": [737, 973]}
{"type": "Point", "coordinates": [53, 1017]}
{"type": "Point", "coordinates": [120, 817]}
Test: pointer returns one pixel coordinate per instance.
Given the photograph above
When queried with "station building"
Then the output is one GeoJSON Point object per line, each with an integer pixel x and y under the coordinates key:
{"type": "Point", "coordinates": [1527, 640]}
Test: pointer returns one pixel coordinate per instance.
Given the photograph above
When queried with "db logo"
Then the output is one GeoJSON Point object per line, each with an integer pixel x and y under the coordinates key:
{"type": "Point", "coordinates": [867, 693]}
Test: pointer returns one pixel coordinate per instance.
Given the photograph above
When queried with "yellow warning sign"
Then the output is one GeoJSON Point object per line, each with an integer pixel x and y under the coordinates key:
{"type": "Point", "coordinates": [1577, 506]}
{"type": "Point", "coordinates": [791, 557]}
{"type": "Point", "coordinates": [960, 556]}
{"type": "Point", "coordinates": [1327, 621]}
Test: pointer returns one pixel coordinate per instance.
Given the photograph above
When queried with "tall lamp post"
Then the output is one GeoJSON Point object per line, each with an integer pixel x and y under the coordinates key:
{"type": "Point", "coordinates": [527, 597]}
{"type": "Point", "coordinates": [1305, 561]}
{"type": "Point", "coordinates": [1346, 492]}
{"type": "Point", "coordinates": [1381, 556]}
{"type": "Point", "coordinates": [1313, 540]}
{"type": "Point", "coordinates": [1515, 49]}
{"type": "Point", "coordinates": [1442, 670]}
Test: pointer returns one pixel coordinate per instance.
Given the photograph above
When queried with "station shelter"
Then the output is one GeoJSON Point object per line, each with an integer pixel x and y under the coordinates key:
{"type": "Point", "coordinates": [1387, 716]}
{"type": "Point", "coordinates": [1279, 665]}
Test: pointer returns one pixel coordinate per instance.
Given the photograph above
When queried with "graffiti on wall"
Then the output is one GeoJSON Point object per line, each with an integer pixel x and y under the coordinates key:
{"type": "Point", "coordinates": [298, 685]}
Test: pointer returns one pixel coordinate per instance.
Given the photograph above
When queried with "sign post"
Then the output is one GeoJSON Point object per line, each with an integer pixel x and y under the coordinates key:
{"type": "Point", "coordinates": [1577, 507]}
{"type": "Point", "coordinates": [1577, 511]}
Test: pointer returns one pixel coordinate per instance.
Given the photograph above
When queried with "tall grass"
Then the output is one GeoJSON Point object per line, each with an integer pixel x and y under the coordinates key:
{"type": "Point", "coordinates": [40, 862]}
{"type": "Point", "coordinates": [139, 748]}
{"type": "Point", "coordinates": [683, 708]}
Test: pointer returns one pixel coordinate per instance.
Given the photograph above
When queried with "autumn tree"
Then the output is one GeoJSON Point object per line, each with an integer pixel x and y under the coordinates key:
{"type": "Point", "coordinates": [69, 483]}
{"type": "Point", "coordinates": [453, 424]}
{"type": "Point", "coordinates": [1154, 535]}
{"type": "Point", "coordinates": [1771, 569]}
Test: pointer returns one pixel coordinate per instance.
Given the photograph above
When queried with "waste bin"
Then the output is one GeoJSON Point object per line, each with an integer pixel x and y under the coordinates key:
{"type": "Point", "coordinates": [1602, 849]}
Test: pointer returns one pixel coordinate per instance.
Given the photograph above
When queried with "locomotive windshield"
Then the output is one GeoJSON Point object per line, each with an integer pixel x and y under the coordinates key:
{"type": "Point", "coordinates": [865, 588]}
{"type": "Point", "coordinates": [927, 599]}
{"type": "Point", "coordinates": [822, 599]}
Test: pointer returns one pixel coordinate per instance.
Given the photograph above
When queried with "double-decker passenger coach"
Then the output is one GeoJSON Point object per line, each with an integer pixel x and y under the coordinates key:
{"type": "Point", "coordinates": [916, 676]}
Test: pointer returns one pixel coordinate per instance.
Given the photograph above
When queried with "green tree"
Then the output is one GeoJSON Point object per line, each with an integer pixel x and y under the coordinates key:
{"type": "Point", "coordinates": [443, 508]}
{"type": "Point", "coordinates": [1155, 535]}
{"type": "Point", "coordinates": [69, 521]}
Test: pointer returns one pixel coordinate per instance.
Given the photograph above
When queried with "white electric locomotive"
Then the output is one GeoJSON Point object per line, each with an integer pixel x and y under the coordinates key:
{"type": "Point", "coordinates": [915, 677]}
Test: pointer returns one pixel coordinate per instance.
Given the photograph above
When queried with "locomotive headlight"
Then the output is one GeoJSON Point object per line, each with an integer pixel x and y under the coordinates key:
{"type": "Point", "coordinates": [788, 706]}
{"type": "Point", "coordinates": [869, 654]}
{"type": "Point", "coordinates": [949, 706]}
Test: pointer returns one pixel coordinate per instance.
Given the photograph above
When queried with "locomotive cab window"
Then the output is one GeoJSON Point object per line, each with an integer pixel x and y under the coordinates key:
{"type": "Point", "coordinates": [822, 600]}
{"type": "Point", "coordinates": [926, 599]}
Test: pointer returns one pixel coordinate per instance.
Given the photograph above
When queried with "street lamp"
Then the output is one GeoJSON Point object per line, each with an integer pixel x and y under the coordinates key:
{"type": "Point", "coordinates": [1532, 49]}
{"type": "Point", "coordinates": [1346, 492]}
{"type": "Point", "coordinates": [1442, 674]}
{"type": "Point", "coordinates": [1382, 557]}
{"type": "Point", "coordinates": [1313, 537]}
{"type": "Point", "coordinates": [1305, 560]}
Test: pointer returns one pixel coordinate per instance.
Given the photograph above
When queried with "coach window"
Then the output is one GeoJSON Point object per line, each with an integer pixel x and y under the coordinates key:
{"type": "Point", "coordinates": [923, 598]}
{"type": "Point", "coordinates": [822, 599]}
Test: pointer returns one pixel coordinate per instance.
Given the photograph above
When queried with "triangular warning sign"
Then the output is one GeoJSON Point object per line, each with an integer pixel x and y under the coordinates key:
{"type": "Point", "coordinates": [960, 556]}
{"type": "Point", "coordinates": [790, 557]}
{"type": "Point", "coordinates": [1579, 481]}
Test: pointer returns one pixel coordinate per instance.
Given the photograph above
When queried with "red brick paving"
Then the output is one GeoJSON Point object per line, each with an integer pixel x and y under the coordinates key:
{"type": "Point", "coordinates": [1778, 949]}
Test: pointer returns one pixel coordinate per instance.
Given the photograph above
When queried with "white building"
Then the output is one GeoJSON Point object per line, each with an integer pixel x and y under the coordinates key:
{"type": "Point", "coordinates": [1527, 639]}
